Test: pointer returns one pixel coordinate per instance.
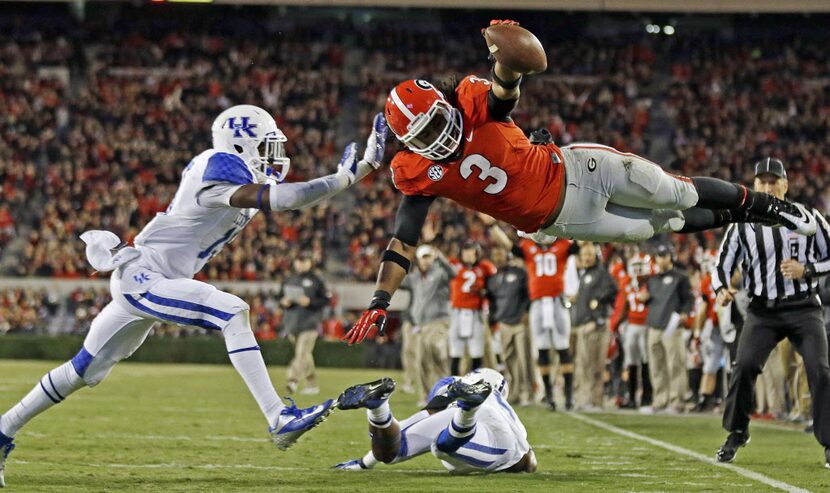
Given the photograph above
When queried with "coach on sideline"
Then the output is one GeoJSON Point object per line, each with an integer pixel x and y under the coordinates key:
{"type": "Point", "coordinates": [780, 275]}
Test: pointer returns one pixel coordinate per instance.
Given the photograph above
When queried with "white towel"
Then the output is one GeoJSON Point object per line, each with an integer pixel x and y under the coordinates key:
{"type": "Point", "coordinates": [674, 322]}
{"type": "Point", "coordinates": [100, 252]}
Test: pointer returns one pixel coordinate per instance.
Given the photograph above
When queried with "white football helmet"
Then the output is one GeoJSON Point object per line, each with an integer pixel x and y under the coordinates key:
{"type": "Point", "coordinates": [491, 376]}
{"type": "Point", "coordinates": [251, 133]}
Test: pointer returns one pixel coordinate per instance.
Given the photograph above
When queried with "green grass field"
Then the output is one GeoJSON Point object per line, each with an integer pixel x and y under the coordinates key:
{"type": "Point", "coordinates": [195, 428]}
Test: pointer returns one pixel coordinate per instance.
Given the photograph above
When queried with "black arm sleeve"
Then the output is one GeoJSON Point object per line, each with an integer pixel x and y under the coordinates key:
{"type": "Point", "coordinates": [412, 214]}
{"type": "Point", "coordinates": [500, 109]}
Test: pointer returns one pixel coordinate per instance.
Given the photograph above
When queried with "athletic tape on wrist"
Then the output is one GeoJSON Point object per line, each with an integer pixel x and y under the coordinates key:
{"type": "Point", "coordinates": [272, 197]}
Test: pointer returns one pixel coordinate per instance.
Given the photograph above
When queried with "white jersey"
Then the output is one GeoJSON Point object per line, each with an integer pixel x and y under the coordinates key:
{"type": "Point", "coordinates": [200, 221]}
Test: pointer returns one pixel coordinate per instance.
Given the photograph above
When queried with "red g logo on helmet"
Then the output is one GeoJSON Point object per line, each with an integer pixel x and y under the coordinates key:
{"type": "Point", "coordinates": [421, 118]}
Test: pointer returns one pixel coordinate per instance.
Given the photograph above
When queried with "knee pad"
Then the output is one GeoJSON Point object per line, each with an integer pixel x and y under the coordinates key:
{"type": "Point", "coordinates": [97, 371]}
{"type": "Point", "coordinates": [90, 369]}
{"type": "Point", "coordinates": [652, 178]}
{"type": "Point", "coordinates": [544, 357]}
{"type": "Point", "coordinates": [667, 221]}
{"type": "Point", "coordinates": [238, 333]}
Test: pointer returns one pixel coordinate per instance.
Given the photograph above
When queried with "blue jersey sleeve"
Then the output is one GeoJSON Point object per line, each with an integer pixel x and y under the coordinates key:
{"type": "Point", "coordinates": [227, 168]}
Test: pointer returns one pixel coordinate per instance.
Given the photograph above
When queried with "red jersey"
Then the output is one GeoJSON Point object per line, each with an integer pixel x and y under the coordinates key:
{"type": "Point", "coordinates": [627, 300]}
{"type": "Point", "coordinates": [467, 287]}
{"type": "Point", "coordinates": [499, 171]}
{"type": "Point", "coordinates": [617, 271]}
{"type": "Point", "coordinates": [545, 265]}
{"type": "Point", "coordinates": [710, 296]}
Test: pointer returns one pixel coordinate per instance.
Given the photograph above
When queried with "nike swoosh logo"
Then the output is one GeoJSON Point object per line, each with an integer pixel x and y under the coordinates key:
{"type": "Point", "coordinates": [470, 137]}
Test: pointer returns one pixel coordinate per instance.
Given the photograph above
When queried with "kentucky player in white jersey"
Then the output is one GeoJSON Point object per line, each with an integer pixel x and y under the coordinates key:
{"type": "Point", "coordinates": [220, 191]}
{"type": "Point", "coordinates": [467, 424]}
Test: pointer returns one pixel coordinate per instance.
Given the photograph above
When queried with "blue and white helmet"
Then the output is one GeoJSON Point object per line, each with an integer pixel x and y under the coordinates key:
{"type": "Point", "coordinates": [491, 376]}
{"type": "Point", "coordinates": [251, 133]}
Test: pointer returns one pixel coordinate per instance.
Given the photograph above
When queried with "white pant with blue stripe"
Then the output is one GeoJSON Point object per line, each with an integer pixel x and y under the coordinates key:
{"type": "Point", "coordinates": [123, 325]}
{"type": "Point", "coordinates": [500, 439]}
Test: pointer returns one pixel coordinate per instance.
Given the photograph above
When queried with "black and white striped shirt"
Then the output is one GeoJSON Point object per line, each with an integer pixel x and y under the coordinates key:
{"type": "Point", "coordinates": [759, 251]}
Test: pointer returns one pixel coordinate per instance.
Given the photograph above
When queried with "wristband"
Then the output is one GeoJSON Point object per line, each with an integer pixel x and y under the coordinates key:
{"type": "Point", "coordinates": [505, 84]}
{"type": "Point", "coordinates": [259, 196]}
{"type": "Point", "coordinates": [381, 300]}
{"type": "Point", "coordinates": [393, 256]}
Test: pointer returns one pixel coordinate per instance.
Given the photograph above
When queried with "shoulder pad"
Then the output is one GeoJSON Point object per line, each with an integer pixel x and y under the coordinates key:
{"type": "Point", "coordinates": [228, 168]}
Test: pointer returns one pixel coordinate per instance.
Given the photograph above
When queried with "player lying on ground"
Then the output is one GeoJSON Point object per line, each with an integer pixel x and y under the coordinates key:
{"type": "Point", "coordinates": [462, 144]}
{"type": "Point", "coordinates": [220, 191]}
{"type": "Point", "coordinates": [467, 424]}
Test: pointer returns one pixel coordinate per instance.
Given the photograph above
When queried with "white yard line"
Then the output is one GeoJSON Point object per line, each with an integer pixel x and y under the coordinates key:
{"type": "Point", "coordinates": [688, 453]}
{"type": "Point", "coordinates": [175, 465]}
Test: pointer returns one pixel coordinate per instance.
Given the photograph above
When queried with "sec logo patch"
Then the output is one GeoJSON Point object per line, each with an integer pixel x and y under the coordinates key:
{"type": "Point", "coordinates": [435, 172]}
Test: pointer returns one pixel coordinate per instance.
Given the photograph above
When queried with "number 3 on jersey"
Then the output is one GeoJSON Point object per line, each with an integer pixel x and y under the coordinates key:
{"type": "Point", "coordinates": [486, 171]}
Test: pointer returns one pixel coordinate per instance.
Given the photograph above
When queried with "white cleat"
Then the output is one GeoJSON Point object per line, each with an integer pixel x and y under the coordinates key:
{"type": "Point", "coordinates": [293, 422]}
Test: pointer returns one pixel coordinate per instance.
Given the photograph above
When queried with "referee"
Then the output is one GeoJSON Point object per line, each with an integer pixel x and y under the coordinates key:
{"type": "Point", "coordinates": [781, 271]}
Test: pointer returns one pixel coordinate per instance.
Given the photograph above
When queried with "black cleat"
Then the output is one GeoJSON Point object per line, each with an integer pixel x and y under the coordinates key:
{"type": "Point", "coordinates": [628, 405]}
{"type": "Point", "coordinates": [369, 395]}
{"type": "Point", "coordinates": [729, 449]}
{"type": "Point", "coordinates": [469, 395]}
{"type": "Point", "coordinates": [549, 400]}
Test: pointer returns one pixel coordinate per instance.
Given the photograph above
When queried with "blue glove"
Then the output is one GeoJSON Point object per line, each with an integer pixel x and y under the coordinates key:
{"type": "Point", "coordinates": [376, 143]}
{"type": "Point", "coordinates": [348, 163]}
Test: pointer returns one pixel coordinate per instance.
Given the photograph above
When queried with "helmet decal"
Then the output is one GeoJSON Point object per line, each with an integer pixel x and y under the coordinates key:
{"type": "Point", "coordinates": [242, 126]}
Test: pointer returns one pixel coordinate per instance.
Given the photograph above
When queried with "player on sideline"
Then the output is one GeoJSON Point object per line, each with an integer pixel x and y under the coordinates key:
{"type": "Point", "coordinates": [462, 144]}
{"type": "Point", "coordinates": [467, 424]}
{"type": "Point", "coordinates": [220, 191]}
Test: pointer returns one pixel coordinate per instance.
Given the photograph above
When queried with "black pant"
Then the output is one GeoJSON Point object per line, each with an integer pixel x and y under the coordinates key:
{"type": "Point", "coordinates": [762, 331]}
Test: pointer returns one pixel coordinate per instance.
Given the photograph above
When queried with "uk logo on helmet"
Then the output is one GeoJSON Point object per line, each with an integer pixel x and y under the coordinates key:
{"type": "Point", "coordinates": [243, 126]}
{"type": "Point", "coordinates": [435, 172]}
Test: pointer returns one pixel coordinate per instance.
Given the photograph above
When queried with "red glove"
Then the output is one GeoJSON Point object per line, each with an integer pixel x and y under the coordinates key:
{"type": "Point", "coordinates": [375, 316]}
{"type": "Point", "coordinates": [496, 22]}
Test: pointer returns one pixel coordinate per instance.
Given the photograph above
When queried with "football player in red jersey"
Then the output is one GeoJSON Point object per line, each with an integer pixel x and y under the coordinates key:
{"type": "Point", "coordinates": [467, 300]}
{"type": "Point", "coordinates": [552, 280]}
{"type": "Point", "coordinates": [462, 144]}
{"type": "Point", "coordinates": [631, 307]}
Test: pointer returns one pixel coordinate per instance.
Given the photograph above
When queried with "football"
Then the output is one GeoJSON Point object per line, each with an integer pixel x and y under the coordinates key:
{"type": "Point", "coordinates": [516, 48]}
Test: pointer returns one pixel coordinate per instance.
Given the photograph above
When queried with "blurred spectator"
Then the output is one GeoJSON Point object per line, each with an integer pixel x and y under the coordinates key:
{"type": "Point", "coordinates": [670, 302]}
{"type": "Point", "coordinates": [304, 297]}
{"type": "Point", "coordinates": [589, 314]}
{"type": "Point", "coordinates": [509, 303]}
